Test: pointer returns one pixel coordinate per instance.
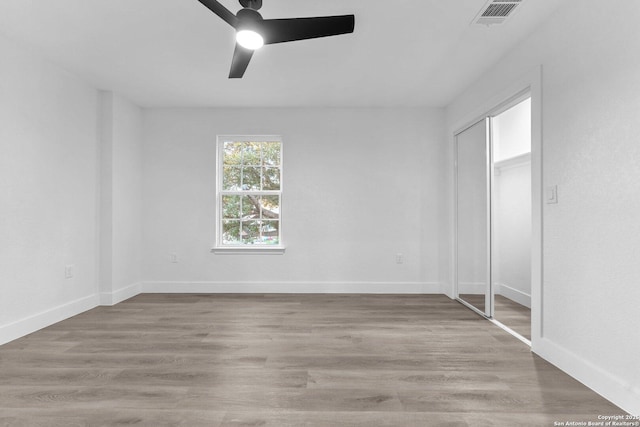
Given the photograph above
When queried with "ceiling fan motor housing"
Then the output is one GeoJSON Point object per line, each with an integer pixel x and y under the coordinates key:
{"type": "Point", "coordinates": [251, 4]}
{"type": "Point", "coordinates": [248, 19]}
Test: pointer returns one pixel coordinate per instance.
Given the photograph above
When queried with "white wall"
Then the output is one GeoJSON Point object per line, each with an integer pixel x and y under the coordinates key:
{"type": "Point", "coordinates": [48, 183]}
{"type": "Point", "coordinates": [360, 185]}
{"type": "Point", "coordinates": [121, 198]}
{"type": "Point", "coordinates": [590, 107]}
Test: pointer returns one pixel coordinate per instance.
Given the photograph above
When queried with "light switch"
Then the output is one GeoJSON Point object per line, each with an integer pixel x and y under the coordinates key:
{"type": "Point", "coordinates": [69, 271]}
{"type": "Point", "coordinates": [551, 194]}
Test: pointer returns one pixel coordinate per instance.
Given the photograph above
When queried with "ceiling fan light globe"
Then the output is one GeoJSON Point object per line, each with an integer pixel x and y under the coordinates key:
{"type": "Point", "coordinates": [249, 39]}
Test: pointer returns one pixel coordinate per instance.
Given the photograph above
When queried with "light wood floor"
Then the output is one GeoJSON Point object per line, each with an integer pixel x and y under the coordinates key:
{"type": "Point", "coordinates": [476, 300]}
{"type": "Point", "coordinates": [516, 316]}
{"type": "Point", "coordinates": [284, 360]}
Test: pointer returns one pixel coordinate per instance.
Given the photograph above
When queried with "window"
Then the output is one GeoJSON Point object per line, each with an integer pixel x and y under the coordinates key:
{"type": "Point", "coordinates": [249, 194]}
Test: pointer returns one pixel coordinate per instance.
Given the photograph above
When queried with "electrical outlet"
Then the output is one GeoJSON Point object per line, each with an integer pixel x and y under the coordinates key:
{"type": "Point", "coordinates": [173, 258]}
{"type": "Point", "coordinates": [69, 271]}
{"type": "Point", "coordinates": [399, 258]}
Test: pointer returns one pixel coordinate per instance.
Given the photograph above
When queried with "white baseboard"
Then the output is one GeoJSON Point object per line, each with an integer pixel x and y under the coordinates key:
{"type": "Point", "coordinates": [513, 294]}
{"type": "Point", "coordinates": [447, 289]}
{"type": "Point", "coordinates": [22, 327]}
{"type": "Point", "coordinates": [615, 389]}
{"type": "Point", "coordinates": [30, 324]}
{"type": "Point", "coordinates": [612, 388]}
{"type": "Point", "coordinates": [294, 287]}
{"type": "Point", "coordinates": [119, 295]}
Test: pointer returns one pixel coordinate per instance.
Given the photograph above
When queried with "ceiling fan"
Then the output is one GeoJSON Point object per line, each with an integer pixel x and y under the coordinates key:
{"type": "Point", "coordinates": [252, 32]}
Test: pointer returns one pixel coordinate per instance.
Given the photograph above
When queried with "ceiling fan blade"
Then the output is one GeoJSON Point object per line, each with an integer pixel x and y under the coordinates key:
{"type": "Point", "coordinates": [241, 58]}
{"type": "Point", "coordinates": [287, 30]}
{"type": "Point", "coordinates": [221, 11]}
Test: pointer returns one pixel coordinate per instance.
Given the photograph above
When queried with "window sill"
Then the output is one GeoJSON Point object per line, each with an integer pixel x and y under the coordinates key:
{"type": "Point", "coordinates": [271, 250]}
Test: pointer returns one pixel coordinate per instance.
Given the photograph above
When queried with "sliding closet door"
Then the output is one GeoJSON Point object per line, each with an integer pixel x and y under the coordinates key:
{"type": "Point", "coordinates": [472, 217]}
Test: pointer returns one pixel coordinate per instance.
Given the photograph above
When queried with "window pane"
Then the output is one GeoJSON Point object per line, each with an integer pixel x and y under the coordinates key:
{"type": "Point", "coordinates": [250, 207]}
{"type": "Point", "coordinates": [231, 207]}
{"type": "Point", "coordinates": [232, 153]}
{"type": "Point", "coordinates": [250, 232]}
{"type": "Point", "coordinates": [230, 232]}
{"type": "Point", "coordinates": [249, 191]}
{"type": "Point", "coordinates": [270, 207]}
{"type": "Point", "coordinates": [270, 232]}
{"type": "Point", "coordinates": [251, 178]}
{"type": "Point", "coordinates": [231, 178]}
{"type": "Point", "coordinates": [271, 154]}
{"type": "Point", "coordinates": [271, 179]}
{"type": "Point", "coordinates": [251, 153]}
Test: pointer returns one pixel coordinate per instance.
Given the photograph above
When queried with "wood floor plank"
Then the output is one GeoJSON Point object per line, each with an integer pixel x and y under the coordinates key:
{"type": "Point", "coordinates": [284, 360]}
{"type": "Point", "coordinates": [418, 380]}
{"type": "Point", "coordinates": [548, 402]}
{"type": "Point", "coordinates": [99, 417]}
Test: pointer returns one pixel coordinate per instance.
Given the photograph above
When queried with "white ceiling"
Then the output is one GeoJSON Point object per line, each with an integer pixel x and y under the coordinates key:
{"type": "Point", "coordinates": [175, 53]}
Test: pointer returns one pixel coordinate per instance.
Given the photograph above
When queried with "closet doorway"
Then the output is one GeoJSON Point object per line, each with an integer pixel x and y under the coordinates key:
{"type": "Point", "coordinates": [493, 216]}
{"type": "Point", "coordinates": [511, 217]}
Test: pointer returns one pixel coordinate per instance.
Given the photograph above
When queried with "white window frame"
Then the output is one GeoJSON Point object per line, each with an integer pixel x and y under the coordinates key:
{"type": "Point", "coordinates": [219, 247]}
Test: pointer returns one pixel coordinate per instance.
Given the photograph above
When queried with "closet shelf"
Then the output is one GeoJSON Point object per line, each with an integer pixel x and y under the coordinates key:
{"type": "Point", "coordinates": [513, 161]}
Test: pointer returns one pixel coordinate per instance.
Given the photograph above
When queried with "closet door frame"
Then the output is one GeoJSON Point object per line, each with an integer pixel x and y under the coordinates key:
{"type": "Point", "coordinates": [480, 105]}
{"type": "Point", "coordinates": [530, 91]}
